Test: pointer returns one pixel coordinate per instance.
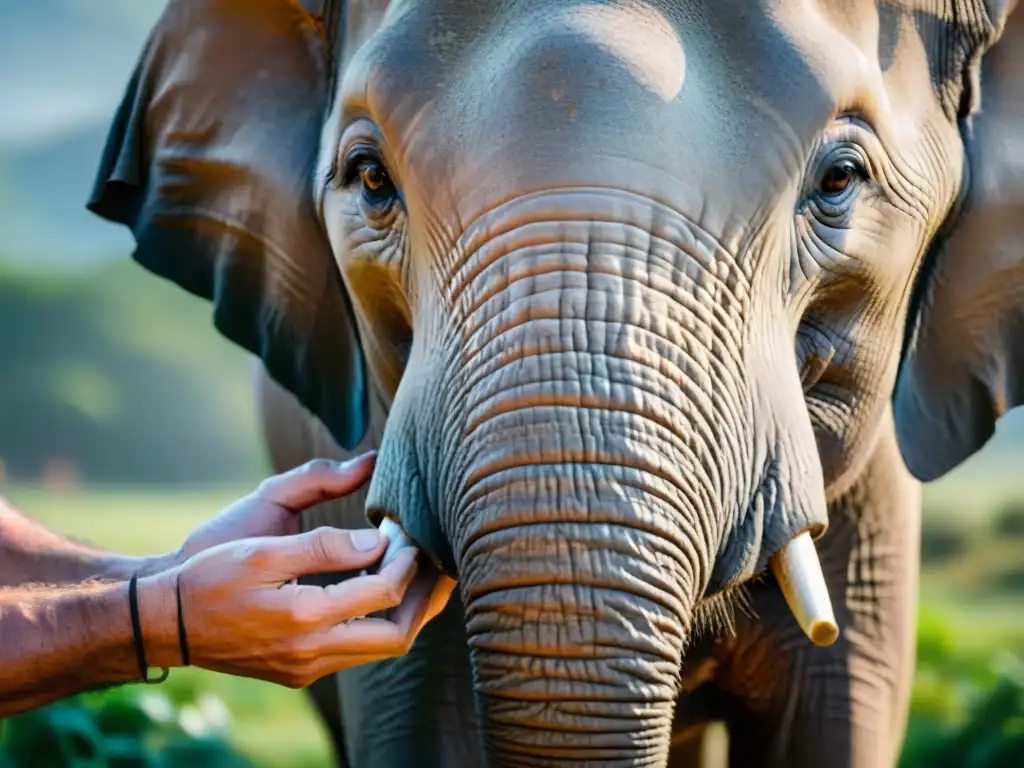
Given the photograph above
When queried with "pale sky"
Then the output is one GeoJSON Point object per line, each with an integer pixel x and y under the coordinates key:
{"type": "Point", "coordinates": [65, 63]}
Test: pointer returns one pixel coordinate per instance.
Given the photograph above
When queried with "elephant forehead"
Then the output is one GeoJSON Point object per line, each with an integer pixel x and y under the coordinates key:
{"type": "Point", "coordinates": [643, 40]}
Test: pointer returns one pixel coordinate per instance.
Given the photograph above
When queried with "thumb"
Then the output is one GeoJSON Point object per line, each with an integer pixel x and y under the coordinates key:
{"type": "Point", "coordinates": [317, 481]}
{"type": "Point", "coordinates": [325, 550]}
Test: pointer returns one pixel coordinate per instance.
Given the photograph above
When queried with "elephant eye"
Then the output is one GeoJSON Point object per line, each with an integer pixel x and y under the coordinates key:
{"type": "Point", "coordinates": [373, 176]}
{"type": "Point", "coordinates": [375, 182]}
{"type": "Point", "coordinates": [839, 176]}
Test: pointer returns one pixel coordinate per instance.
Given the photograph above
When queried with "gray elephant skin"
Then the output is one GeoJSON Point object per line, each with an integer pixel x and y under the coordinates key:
{"type": "Point", "coordinates": [628, 294]}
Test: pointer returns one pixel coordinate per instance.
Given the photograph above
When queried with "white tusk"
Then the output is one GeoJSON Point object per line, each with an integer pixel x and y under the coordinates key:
{"type": "Point", "coordinates": [396, 539]}
{"type": "Point", "coordinates": [798, 571]}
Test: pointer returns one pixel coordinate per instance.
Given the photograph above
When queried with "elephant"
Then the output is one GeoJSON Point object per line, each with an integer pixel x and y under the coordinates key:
{"type": "Point", "coordinates": [631, 297]}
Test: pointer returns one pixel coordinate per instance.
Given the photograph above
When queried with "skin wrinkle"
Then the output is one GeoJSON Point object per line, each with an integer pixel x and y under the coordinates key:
{"type": "Point", "coordinates": [593, 250]}
{"type": "Point", "coordinates": [672, 483]}
{"type": "Point", "coordinates": [655, 213]}
{"type": "Point", "coordinates": [607, 375]}
{"type": "Point", "coordinates": [615, 646]}
{"type": "Point", "coordinates": [473, 384]}
{"type": "Point", "coordinates": [524, 400]}
{"type": "Point", "coordinates": [485, 546]}
{"type": "Point", "coordinates": [566, 457]}
{"type": "Point", "coordinates": [543, 514]}
{"type": "Point", "coordinates": [458, 282]}
{"type": "Point", "coordinates": [662, 342]}
{"type": "Point", "coordinates": [702, 424]}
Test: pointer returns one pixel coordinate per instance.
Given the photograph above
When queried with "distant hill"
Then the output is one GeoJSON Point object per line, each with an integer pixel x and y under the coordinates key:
{"type": "Point", "coordinates": [122, 375]}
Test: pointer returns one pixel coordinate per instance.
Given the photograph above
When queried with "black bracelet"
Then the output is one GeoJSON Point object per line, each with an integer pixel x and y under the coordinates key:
{"type": "Point", "coordinates": [133, 603]}
{"type": "Point", "coordinates": [140, 650]}
{"type": "Point", "coordinates": [182, 636]}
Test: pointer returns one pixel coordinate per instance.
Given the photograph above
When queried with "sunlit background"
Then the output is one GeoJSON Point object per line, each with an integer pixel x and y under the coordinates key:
{"type": "Point", "coordinates": [125, 418]}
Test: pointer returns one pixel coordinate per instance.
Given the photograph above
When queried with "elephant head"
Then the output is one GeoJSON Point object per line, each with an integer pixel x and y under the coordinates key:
{"type": "Point", "coordinates": [631, 278]}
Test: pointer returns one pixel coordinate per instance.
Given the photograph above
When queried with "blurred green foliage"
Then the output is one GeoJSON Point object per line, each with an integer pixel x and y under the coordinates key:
{"type": "Point", "coordinates": [122, 376]}
{"type": "Point", "coordinates": [1009, 520]}
{"type": "Point", "coordinates": [967, 709]}
{"type": "Point", "coordinates": [127, 727]}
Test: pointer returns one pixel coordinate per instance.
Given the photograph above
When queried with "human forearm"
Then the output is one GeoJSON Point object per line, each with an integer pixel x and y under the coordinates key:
{"type": "Point", "coordinates": [30, 553]}
{"type": "Point", "coordinates": [55, 642]}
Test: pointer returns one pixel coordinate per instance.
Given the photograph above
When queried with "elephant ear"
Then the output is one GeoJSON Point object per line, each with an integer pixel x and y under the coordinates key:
{"type": "Point", "coordinates": [211, 162]}
{"type": "Point", "coordinates": [963, 361]}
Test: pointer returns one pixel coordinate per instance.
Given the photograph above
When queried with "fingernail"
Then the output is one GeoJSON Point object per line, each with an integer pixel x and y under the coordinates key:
{"type": "Point", "coordinates": [348, 463]}
{"type": "Point", "coordinates": [365, 538]}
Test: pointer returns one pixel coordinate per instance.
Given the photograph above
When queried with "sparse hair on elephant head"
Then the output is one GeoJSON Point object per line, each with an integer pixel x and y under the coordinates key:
{"type": "Point", "coordinates": [631, 278]}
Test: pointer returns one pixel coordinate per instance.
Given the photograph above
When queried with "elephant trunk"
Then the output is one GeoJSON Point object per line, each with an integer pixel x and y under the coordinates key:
{"type": "Point", "coordinates": [576, 618]}
{"type": "Point", "coordinates": [605, 462]}
{"type": "Point", "coordinates": [578, 532]}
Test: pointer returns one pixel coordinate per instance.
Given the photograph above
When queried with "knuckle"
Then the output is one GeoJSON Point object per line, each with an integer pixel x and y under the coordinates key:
{"type": "Point", "coordinates": [266, 488]}
{"type": "Point", "coordinates": [389, 594]}
{"type": "Point", "coordinates": [326, 544]}
{"type": "Point", "coordinates": [397, 645]}
{"type": "Point", "coordinates": [254, 558]}
{"type": "Point", "coordinates": [295, 681]}
{"type": "Point", "coordinates": [301, 615]}
{"type": "Point", "coordinates": [301, 653]}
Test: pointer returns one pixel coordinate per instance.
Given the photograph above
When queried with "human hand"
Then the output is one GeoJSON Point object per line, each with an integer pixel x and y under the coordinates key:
{"type": "Point", "coordinates": [273, 508]}
{"type": "Point", "coordinates": [243, 613]}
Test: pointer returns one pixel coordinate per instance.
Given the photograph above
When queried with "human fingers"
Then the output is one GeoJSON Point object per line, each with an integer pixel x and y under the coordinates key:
{"type": "Point", "coordinates": [309, 672]}
{"type": "Point", "coordinates": [328, 665]}
{"type": "Point", "coordinates": [322, 550]}
{"type": "Point", "coordinates": [426, 597]}
{"type": "Point", "coordinates": [317, 481]}
{"type": "Point", "coordinates": [362, 595]}
{"type": "Point", "coordinates": [383, 637]}
{"type": "Point", "coordinates": [439, 597]}
{"type": "Point", "coordinates": [380, 638]}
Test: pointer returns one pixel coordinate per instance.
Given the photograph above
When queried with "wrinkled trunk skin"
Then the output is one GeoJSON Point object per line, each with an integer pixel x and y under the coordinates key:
{"type": "Point", "coordinates": [577, 623]}
{"type": "Point", "coordinates": [584, 454]}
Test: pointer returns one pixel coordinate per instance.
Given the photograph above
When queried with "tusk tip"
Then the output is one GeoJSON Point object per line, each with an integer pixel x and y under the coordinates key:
{"type": "Point", "coordinates": [799, 574]}
{"type": "Point", "coordinates": [823, 632]}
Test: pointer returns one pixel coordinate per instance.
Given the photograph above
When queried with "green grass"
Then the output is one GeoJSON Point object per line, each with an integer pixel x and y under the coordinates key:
{"type": "Point", "coordinates": [131, 521]}
{"type": "Point", "coordinates": [277, 727]}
